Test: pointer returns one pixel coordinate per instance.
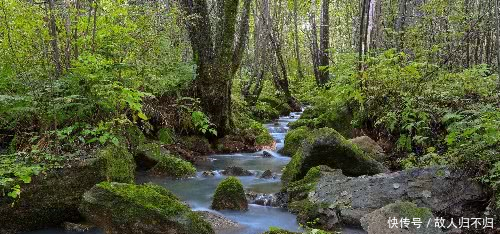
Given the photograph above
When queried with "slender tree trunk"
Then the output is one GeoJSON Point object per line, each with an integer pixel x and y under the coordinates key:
{"type": "Point", "coordinates": [400, 22]}
{"type": "Point", "coordinates": [361, 49]}
{"type": "Point", "coordinates": [371, 23]}
{"type": "Point", "coordinates": [94, 29]}
{"type": "Point", "coordinates": [497, 21]}
{"type": "Point", "coordinates": [314, 43]}
{"type": "Point", "coordinates": [56, 55]}
{"type": "Point", "coordinates": [67, 26]}
{"type": "Point", "coordinates": [296, 40]}
{"type": "Point", "coordinates": [324, 42]}
{"type": "Point", "coordinates": [75, 31]}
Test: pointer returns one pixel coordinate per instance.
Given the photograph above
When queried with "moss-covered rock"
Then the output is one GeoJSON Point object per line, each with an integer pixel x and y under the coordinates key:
{"type": "Point", "coordinates": [156, 160]}
{"type": "Point", "coordinates": [173, 167]}
{"type": "Point", "coordinates": [119, 164]}
{"type": "Point", "coordinates": [53, 197]}
{"type": "Point", "coordinates": [370, 147]}
{"type": "Point", "coordinates": [130, 135]}
{"type": "Point", "coordinates": [326, 146]}
{"type": "Point", "coordinates": [197, 144]}
{"type": "Point", "coordinates": [126, 208]}
{"type": "Point", "coordinates": [230, 195]}
{"type": "Point", "coordinates": [376, 221]}
{"type": "Point", "coordinates": [293, 140]}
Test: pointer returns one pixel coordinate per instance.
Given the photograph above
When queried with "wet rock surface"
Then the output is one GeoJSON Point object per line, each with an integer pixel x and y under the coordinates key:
{"type": "Point", "coordinates": [218, 222]}
{"type": "Point", "coordinates": [377, 222]}
{"type": "Point", "coordinates": [236, 171]}
{"type": "Point", "coordinates": [444, 191]}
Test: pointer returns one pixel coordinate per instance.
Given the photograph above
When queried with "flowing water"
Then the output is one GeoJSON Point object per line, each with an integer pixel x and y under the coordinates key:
{"type": "Point", "coordinates": [198, 191]}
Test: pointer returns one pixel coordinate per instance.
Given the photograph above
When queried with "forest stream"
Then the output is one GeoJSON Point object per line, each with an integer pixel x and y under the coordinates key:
{"type": "Point", "coordinates": [198, 191]}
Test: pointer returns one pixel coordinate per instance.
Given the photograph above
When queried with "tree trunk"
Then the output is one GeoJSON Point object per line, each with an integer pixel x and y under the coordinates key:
{"type": "Point", "coordinates": [296, 40]}
{"type": "Point", "coordinates": [281, 81]}
{"type": "Point", "coordinates": [314, 43]}
{"type": "Point", "coordinates": [497, 21]}
{"type": "Point", "coordinates": [324, 42]}
{"type": "Point", "coordinates": [400, 22]}
{"type": "Point", "coordinates": [56, 55]}
{"type": "Point", "coordinates": [216, 63]}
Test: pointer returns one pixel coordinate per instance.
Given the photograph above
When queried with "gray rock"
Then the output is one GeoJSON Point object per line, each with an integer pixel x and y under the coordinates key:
{"type": "Point", "coordinates": [208, 174]}
{"type": "Point", "coordinates": [218, 222]}
{"type": "Point", "coordinates": [236, 171]}
{"type": "Point", "coordinates": [398, 218]}
{"type": "Point", "coordinates": [266, 154]}
{"type": "Point", "coordinates": [77, 227]}
{"type": "Point", "coordinates": [445, 191]}
{"type": "Point", "coordinates": [268, 174]}
{"type": "Point", "coordinates": [262, 199]}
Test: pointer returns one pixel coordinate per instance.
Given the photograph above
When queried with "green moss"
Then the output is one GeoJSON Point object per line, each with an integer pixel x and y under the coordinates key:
{"type": "Point", "coordinates": [130, 135]}
{"type": "Point", "coordinates": [310, 123]}
{"type": "Point", "coordinates": [279, 231]}
{"type": "Point", "coordinates": [409, 209]}
{"type": "Point", "coordinates": [166, 136]}
{"type": "Point", "coordinates": [292, 169]}
{"type": "Point", "coordinates": [230, 195]}
{"type": "Point", "coordinates": [150, 150]}
{"type": "Point", "coordinates": [174, 167]}
{"type": "Point", "coordinates": [293, 140]}
{"type": "Point", "coordinates": [307, 211]}
{"type": "Point", "coordinates": [119, 207]}
{"type": "Point", "coordinates": [146, 197]}
{"type": "Point", "coordinates": [262, 135]}
{"type": "Point", "coordinates": [299, 189]}
{"type": "Point", "coordinates": [119, 165]}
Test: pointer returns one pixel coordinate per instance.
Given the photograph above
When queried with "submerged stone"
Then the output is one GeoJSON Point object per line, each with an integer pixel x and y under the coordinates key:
{"type": "Point", "coordinates": [128, 209]}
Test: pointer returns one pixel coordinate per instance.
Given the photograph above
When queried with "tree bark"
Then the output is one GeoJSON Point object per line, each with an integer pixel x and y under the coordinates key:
{"type": "Point", "coordinates": [324, 42]}
{"type": "Point", "coordinates": [296, 40]}
{"type": "Point", "coordinates": [497, 13]}
{"type": "Point", "coordinates": [216, 63]}
{"type": "Point", "coordinates": [314, 43]}
{"type": "Point", "coordinates": [56, 55]}
{"type": "Point", "coordinates": [400, 22]}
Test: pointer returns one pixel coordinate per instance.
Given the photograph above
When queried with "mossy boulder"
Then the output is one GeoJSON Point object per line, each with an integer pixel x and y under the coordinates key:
{"type": "Point", "coordinates": [130, 135]}
{"type": "Point", "coordinates": [293, 140]}
{"type": "Point", "coordinates": [119, 164]}
{"type": "Point", "coordinates": [173, 167]}
{"type": "Point", "coordinates": [126, 208]}
{"type": "Point", "coordinates": [156, 160]}
{"type": "Point", "coordinates": [376, 221]}
{"type": "Point", "coordinates": [197, 144]}
{"type": "Point", "coordinates": [54, 196]}
{"type": "Point", "coordinates": [230, 195]}
{"type": "Point", "coordinates": [370, 147]}
{"type": "Point", "coordinates": [326, 146]}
